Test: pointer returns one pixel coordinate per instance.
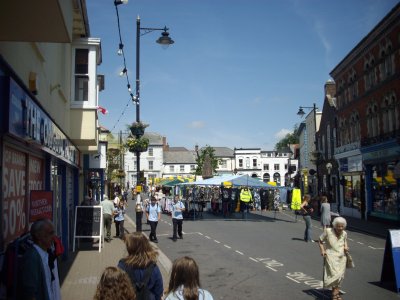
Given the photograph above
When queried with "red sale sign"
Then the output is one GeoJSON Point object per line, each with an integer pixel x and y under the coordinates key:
{"type": "Point", "coordinates": [14, 194]}
{"type": "Point", "coordinates": [41, 205]}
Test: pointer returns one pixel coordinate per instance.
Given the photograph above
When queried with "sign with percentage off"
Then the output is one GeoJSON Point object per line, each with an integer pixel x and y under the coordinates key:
{"type": "Point", "coordinates": [14, 198]}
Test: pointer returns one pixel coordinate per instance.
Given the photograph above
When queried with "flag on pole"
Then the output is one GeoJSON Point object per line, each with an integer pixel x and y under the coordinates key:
{"type": "Point", "coordinates": [102, 110]}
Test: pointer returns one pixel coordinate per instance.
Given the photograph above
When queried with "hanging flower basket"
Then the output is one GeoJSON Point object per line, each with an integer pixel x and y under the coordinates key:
{"type": "Point", "coordinates": [137, 128]}
{"type": "Point", "coordinates": [137, 144]}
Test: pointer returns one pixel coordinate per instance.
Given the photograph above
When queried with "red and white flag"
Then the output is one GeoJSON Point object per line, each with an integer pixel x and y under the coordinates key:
{"type": "Point", "coordinates": [102, 110]}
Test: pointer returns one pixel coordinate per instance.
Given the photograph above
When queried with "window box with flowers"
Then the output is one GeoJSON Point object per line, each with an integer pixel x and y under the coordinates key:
{"type": "Point", "coordinates": [137, 128]}
{"type": "Point", "coordinates": [140, 144]}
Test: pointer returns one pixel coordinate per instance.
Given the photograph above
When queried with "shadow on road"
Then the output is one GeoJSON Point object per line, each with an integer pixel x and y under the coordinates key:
{"type": "Point", "coordinates": [319, 293]}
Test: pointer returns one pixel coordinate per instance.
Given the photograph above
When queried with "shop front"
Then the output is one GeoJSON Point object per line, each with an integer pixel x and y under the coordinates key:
{"type": "Point", "coordinates": [38, 165]}
{"type": "Point", "coordinates": [352, 191]}
{"type": "Point", "coordinates": [382, 165]}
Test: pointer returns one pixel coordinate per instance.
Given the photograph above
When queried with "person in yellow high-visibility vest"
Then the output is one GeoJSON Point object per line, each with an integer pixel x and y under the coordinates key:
{"type": "Point", "coordinates": [245, 199]}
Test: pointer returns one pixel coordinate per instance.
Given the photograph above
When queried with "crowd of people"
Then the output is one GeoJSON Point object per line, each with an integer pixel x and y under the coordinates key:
{"type": "Point", "coordinates": [137, 276]}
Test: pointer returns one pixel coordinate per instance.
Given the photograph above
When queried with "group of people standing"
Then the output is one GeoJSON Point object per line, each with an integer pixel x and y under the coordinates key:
{"type": "Point", "coordinates": [137, 276]}
{"type": "Point", "coordinates": [332, 243]}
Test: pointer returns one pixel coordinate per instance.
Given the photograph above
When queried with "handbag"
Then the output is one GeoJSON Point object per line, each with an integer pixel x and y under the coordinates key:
{"type": "Point", "coordinates": [349, 261]}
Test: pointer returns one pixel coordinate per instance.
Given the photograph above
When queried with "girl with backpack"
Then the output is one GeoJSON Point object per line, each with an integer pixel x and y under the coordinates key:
{"type": "Point", "coordinates": [141, 266]}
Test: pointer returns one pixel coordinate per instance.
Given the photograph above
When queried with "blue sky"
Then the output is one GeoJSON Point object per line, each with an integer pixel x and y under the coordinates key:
{"type": "Point", "coordinates": [238, 70]}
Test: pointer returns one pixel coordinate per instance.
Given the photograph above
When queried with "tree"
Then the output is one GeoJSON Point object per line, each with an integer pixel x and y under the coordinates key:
{"type": "Point", "coordinates": [206, 154]}
{"type": "Point", "coordinates": [290, 138]}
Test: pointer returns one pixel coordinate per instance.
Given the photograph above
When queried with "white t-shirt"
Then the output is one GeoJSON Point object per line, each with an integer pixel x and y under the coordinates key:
{"type": "Point", "coordinates": [178, 295]}
{"type": "Point", "coordinates": [153, 211]}
{"type": "Point", "coordinates": [176, 209]}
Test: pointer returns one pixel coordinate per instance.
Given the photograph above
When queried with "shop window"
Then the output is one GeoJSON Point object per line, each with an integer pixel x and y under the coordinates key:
{"type": "Point", "coordinates": [266, 177]}
{"type": "Point", "coordinates": [384, 189]}
{"type": "Point", "coordinates": [277, 179]}
{"type": "Point", "coordinates": [352, 191]}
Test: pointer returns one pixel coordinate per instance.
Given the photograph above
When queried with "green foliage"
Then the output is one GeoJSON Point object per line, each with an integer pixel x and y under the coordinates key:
{"type": "Point", "coordinates": [207, 151]}
{"type": "Point", "coordinates": [137, 144]}
{"type": "Point", "coordinates": [290, 138]}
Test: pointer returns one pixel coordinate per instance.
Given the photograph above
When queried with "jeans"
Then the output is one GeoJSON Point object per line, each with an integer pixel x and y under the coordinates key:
{"type": "Point", "coordinates": [307, 232]}
{"type": "Point", "coordinates": [177, 227]}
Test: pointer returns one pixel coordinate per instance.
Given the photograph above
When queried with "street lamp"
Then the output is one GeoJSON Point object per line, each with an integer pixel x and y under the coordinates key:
{"type": "Point", "coordinates": [301, 113]}
{"type": "Point", "coordinates": [164, 41]}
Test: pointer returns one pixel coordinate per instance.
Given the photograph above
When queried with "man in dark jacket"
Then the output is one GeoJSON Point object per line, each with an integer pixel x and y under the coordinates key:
{"type": "Point", "coordinates": [40, 273]}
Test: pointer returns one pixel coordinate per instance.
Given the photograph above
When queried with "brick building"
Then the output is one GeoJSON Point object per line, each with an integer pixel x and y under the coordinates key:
{"type": "Point", "coordinates": [368, 126]}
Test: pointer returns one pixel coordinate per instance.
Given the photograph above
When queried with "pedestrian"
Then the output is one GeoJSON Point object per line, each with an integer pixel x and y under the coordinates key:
{"type": "Point", "coordinates": [333, 246]}
{"type": "Point", "coordinates": [177, 207]}
{"type": "Point", "coordinates": [117, 199]}
{"type": "Point", "coordinates": [108, 212]}
{"type": "Point", "coordinates": [139, 212]}
{"type": "Point", "coordinates": [142, 259]}
{"type": "Point", "coordinates": [307, 210]}
{"type": "Point", "coordinates": [114, 284]}
{"type": "Point", "coordinates": [325, 212]}
{"type": "Point", "coordinates": [184, 282]}
{"type": "Point", "coordinates": [153, 213]}
{"type": "Point", "coordinates": [119, 218]}
{"type": "Point", "coordinates": [39, 279]}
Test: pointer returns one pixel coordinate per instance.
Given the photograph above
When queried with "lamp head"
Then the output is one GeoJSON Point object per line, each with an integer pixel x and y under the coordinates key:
{"type": "Point", "coordinates": [118, 2]}
{"type": "Point", "coordinates": [301, 112]}
{"type": "Point", "coordinates": [164, 40]}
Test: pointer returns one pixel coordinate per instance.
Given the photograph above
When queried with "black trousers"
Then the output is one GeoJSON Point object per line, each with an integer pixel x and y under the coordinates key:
{"type": "Point", "coordinates": [153, 228]}
{"type": "Point", "coordinates": [119, 228]}
{"type": "Point", "coordinates": [177, 227]}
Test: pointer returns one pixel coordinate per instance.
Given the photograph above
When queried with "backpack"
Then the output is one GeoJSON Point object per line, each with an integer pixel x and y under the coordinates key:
{"type": "Point", "coordinates": [142, 289]}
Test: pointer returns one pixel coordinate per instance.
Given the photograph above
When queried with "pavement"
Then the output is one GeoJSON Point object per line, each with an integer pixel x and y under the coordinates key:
{"type": "Point", "coordinates": [80, 274]}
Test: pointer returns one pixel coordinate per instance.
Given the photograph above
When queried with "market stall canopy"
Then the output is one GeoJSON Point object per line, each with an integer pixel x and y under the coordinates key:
{"type": "Point", "coordinates": [235, 180]}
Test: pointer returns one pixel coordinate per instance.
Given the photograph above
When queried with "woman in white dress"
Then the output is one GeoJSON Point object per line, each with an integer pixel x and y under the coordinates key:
{"type": "Point", "coordinates": [325, 212]}
{"type": "Point", "coordinates": [333, 246]}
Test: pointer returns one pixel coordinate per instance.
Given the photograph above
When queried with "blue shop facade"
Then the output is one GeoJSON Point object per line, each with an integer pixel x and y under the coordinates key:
{"type": "Point", "coordinates": [39, 165]}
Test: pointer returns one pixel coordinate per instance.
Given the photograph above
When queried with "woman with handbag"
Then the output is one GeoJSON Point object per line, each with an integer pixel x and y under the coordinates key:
{"type": "Point", "coordinates": [334, 249]}
{"type": "Point", "coordinates": [306, 210]}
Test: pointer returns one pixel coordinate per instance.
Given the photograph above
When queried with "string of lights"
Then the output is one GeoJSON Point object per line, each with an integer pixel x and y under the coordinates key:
{"type": "Point", "coordinates": [124, 71]}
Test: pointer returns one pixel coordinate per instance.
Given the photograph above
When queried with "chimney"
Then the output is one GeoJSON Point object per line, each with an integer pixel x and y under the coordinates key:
{"type": "Point", "coordinates": [330, 88]}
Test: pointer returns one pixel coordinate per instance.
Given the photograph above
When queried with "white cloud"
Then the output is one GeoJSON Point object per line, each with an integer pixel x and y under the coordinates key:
{"type": "Point", "coordinates": [197, 124]}
{"type": "Point", "coordinates": [282, 133]}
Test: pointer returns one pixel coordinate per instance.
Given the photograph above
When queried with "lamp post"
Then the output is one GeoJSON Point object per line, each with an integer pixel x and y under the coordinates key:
{"type": "Point", "coordinates": [301, 113]}
{"type": "Point", "coordinates": [164, 41]}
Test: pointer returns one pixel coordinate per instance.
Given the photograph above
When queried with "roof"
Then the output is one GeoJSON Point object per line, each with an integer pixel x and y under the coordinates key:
{"type": "Point", "coordinates": [154, 138]}
{"type": "Point", "coordinates": [179, 157]}
{"type": "Point", "coordinates": [178, 149]}
{"type": "Point", "coordinates": [222, 151]}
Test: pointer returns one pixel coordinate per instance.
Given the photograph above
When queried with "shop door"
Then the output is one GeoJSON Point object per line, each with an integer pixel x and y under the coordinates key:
{"type": "Point", "coordinates": [56, 186]}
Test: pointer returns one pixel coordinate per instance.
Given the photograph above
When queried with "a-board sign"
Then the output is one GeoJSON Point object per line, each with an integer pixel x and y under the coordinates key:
{"type": "Point", "coordinates": [88, 223]}
{"type": "Point", "coordinates": [391, 260]}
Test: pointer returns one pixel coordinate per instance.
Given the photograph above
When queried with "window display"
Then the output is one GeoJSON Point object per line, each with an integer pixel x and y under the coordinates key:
{"type": "Point", "coordinates": [384, 189]}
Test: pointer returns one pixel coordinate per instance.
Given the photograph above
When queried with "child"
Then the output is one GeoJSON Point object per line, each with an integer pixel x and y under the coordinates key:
{"type": "Point", "coordinates": [119, 219]}
{"type": "Point", "coordinates": [114, 284]}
